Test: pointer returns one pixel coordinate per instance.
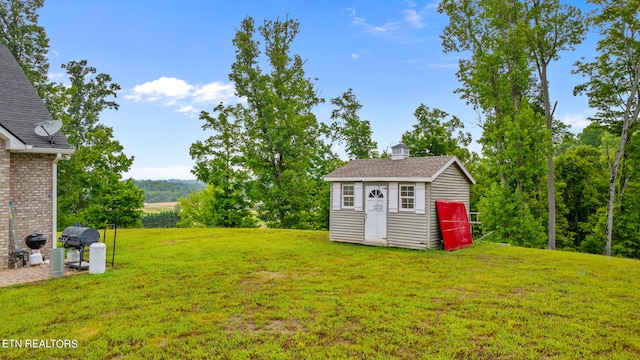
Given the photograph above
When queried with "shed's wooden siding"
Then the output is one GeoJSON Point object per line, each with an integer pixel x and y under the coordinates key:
{"type": "Point", "coordinates": [452, 185]}
{"type": "Point", "coordinates": [407, 230]}
{"type": "Point", "coordinates": [346, 225]}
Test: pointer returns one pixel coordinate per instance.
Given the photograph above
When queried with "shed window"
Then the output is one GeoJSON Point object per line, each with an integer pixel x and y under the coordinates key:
{"type": "Point", "coordinates": [347, 196]}
{"type": "Point", "coordinates": [407, 197]}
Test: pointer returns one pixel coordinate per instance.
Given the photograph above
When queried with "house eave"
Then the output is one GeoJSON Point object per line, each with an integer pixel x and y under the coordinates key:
{"type": "Point", "coordinates": [37, 150]}
{"type": "Point", "coordinates": [14, 144]}
{"type": "Point", "coordinates": [11, 141]}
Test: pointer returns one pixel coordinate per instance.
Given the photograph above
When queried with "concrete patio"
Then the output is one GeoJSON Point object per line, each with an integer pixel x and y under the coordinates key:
{"type": "Point", "coordinates": [31, 274]}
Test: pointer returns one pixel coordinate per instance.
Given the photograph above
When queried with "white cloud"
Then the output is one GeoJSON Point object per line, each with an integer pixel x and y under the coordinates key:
{"type": "Point", "coordinates": [163, 88]}
{"type": "Point", "coordinates": [55, 76]}
{"type": "Point", "coordinates": [413, 18]}
{"type": "Point", "coordinates": [433, 5]}
{"type": "Point", "coordinates": [181, 172]}
{"type": "Point", "coordinates": [214, 92]}
{"type": "Point", "coordinates": [444, 65]}
{"type": "Point", "coordinates": [579, 121]}
{"type": "Point", "coordinates": [438, 62]}
{"type": "Point", "coordinates": [383, 29]}
{"type": "Point", "coordinates": [352, 11]}
{"type": "Point", "coordinates": [186, 98]}
{"type": "Point", "coordinates": [187, 109]}
{"type": "Point", "coordinates": [355, 55]}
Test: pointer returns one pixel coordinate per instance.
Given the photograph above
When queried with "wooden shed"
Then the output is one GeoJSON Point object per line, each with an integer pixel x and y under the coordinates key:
{"type": "Point", "coordinates": [391, 202]}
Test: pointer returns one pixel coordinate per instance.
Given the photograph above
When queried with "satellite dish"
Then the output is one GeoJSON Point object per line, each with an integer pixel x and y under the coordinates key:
{"type": "Point", "coordinates": [48, 128]}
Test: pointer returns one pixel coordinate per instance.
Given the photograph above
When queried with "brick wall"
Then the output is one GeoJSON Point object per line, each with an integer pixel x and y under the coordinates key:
{"type": "Point", "coordinates": [5, 192]}
{"type": "Point", "coordinates": [31, 189]}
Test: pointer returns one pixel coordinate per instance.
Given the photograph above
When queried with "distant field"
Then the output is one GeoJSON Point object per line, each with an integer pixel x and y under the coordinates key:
{"type": "Point", "coordinates": [284, 294]}
{"type": "Point", "coordinates": [159, 207]}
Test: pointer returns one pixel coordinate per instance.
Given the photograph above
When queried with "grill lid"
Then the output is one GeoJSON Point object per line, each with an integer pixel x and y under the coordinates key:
{"type": "Point", "coordinates": [35, 241]}
{"type": "Point", "coordinates": [79, 236]}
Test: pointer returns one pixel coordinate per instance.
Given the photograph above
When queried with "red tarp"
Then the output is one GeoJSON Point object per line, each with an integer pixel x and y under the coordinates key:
{"type": "Point", "coordinates": [454, 224]}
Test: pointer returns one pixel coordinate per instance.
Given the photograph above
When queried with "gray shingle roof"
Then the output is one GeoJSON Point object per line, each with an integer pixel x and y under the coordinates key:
{"type": "Point", "coordinates": [409, 169]}
{"type": "Point", "coordinates": [21, 108]}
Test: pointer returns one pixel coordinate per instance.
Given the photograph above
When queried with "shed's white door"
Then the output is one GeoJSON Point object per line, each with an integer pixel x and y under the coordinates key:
{"type": "Point", "coordinates": [375, 223]}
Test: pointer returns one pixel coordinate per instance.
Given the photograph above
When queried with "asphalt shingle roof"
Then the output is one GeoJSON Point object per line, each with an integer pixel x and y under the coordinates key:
{"type": "Point", "coordinates": [415, 168]}
{"type": "Point", "coordinates": [21, 107]}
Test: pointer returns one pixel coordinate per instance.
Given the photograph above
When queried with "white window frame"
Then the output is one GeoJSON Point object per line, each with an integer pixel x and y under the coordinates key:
{"type": "Point", "coordinates": [347, 196]}
{"type": "Point", "coordinates": [405, 188]}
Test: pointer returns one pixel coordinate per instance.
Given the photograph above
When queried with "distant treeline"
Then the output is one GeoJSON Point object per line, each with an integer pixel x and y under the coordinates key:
{"type": "Point", "coordinates": [165, 219]}
{"type": "Point", "coordinates": [167, 190]}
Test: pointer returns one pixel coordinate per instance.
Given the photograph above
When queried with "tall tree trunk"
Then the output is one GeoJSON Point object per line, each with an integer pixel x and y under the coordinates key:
{"type": "Point", "coordinates": [610, 205]}
{"type": "Point", "coordinates": [551, 195]}
{"type": "Point", "coordinates": [551, 191]}
{"type": "Point", "coordinates": [613, 179]}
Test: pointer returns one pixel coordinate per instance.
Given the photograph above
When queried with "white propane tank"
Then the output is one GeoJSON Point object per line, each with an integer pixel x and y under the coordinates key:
{"type": "Point", "coordinates": [35, 258]}
{"type": "Point", "coordinates": [73, 255]}
{"type": "Point", "coordinates": [97, 258]}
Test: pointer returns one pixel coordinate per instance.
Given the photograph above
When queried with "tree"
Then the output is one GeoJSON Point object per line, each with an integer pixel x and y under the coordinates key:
{"type": "Point", "coordinates": [433, 135]}
{"type": "Point", "coordinates": [283, 147]}
{"type": "Point", "coordinates": [198, 209]}
{"type": "Point", "coordinates": [25, 39]}
{"type": "Point", "coordinates": [355, 133]}
{"type": "Point", "coordinates": [219, 163]}
{"type": "Point", "coordinates": [167, 190]}
{"type": "Point", "coordinates": [163, 219]}
{"type": "Point", "coordinates": [89, 183]}
{"type": "Point", "coordinates": [90, 186]}
{"type": "Point", "coordinates": [209, 208]}
{"type": "Point", "coordinates": [627, 220]}
{"type": "Point", "coordinates": [582, 188]}
{"type": "Point", "coordinates": [28, 43]}
{"type": "Point", "coordinates": [613, 83]}
{"type": "Point", "coordinates": [554, 27]}
{"type": "Point", "coordinates": [592, 135]}
{"type": "Point", "coordinates": [118, 202]}
{"type": "Point", "coordinates": [518, 166]}
{"type": "Point", "coordinates": [498, 80]}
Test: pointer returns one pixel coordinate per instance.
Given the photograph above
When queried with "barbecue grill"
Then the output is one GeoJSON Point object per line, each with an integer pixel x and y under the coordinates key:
{"type": "Point", "coordinates": [78, 237]}
{"type": "Point", "coordinates": [34, 242]}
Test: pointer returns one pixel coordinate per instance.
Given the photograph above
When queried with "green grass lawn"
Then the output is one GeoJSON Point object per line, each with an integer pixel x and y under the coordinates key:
{"type": "Point", "coordinates": [269, 294]}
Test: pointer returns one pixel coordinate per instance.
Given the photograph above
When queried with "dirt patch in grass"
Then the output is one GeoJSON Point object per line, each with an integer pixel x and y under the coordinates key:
{"type": "Point", "coordinates": [284, 326]}
{"type": "Point", "coordinates": [279, 326]}
{"type": "Point", "coordinates": [160, 342]}
{"type": "Point", "coordinates": [271, 274]}
{"type": "Point", "coordinates": [176, 241]}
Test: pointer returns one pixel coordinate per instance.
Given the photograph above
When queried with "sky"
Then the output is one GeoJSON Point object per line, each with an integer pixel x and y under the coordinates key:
{"type": "Point", "coordinates": [172, 60]}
